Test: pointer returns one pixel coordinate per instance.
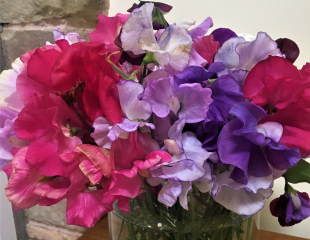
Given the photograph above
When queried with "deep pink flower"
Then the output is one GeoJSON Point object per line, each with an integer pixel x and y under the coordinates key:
{"type": "Point", "coordinates": [206, 47]}
{"type": "Point", "coordinates": [108, 28]}
{"type": "Point", "coordinates": [277, 85]}
{"type": "Point", "coordinates": [28, 187]}
{"type": "Point", "coordinates": [47, 124]}
{"type": "Point", "coordinates": [106, 178]}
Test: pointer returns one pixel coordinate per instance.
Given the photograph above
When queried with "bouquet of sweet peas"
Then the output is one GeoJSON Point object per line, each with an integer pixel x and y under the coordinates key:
{"type": "Point", "coordinates": [146, 106]}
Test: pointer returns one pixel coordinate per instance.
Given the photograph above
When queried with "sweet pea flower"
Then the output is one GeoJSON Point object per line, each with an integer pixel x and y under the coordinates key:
{"type": "Point", "coordinates": [189, 100]}
{"type": "Point", "coordinates": [7, 117]}
{"type": "Point", "coordinates": [291, 208]}
{"type": "Point", "coordinates": [239, 54]}
{"type": "Point", "coordinates": [253, 149]}
{"type": "Point", "coordinates": [8, 95]}
{"type": "Point", "coordinates": [290, 108]}
{"type": "Point", "coordinates": [111, 176]}
{"type": "Point", "coordinates": [136, 113]}
{"type": "Point", "coordinates": [244, 199]}
{"type": "Point", "coordinates": [108, 29]}
{"type": "Point", "coordinates": [188, 164]}
{"type": "Point", "coordinates": [171, 50]}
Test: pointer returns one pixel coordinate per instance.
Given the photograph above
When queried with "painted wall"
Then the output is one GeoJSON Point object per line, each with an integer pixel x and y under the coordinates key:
{"type": "Point", "coordinates": [280, 18]}
{"type": "Point", "coordinates": [7, 227]}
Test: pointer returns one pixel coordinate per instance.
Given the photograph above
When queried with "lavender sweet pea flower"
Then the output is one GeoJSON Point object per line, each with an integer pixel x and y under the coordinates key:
{"type": "Point", "coordinates": [160, 94]}
{"type": "Point", "coordinates": [291, 208]}
{"type": "Point", "coordinates": [244, 199]}
{"type": "Point", "coordinates": [132, 106]}
{"type": "Point", "coordinates": [171, 50]}
{"type": "Point", "coordinates": [252, 149]}
{"type": "Point", "coordinates": [195, 101]}
{"type": "Point", "coordinates": [239, 54]}
{"type": "Point", "coordinates": [71, 37]}
{"type": "Point", "coordinates": [202, 29]}
{"type": "Point", "coordinates": [136, 110]}
{"type": "Point", "coordinates": [187, 166]}
{"type": "Point", "coordinates": [8, 95]}
{"type": "Point", "coordinates": [175, 45]}
{"type": "Point", "coordinates": [7, 117]}
{"type": "Point", "coordinates": [191, 101]}
{"type": "Point", "coordinates": [137, 33]}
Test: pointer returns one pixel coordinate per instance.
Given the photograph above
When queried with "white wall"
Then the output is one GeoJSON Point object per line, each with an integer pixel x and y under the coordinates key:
{"type": "Point", "coordinates": [279, 18]}
{"type": "Point", "coordinates": [7, 227]}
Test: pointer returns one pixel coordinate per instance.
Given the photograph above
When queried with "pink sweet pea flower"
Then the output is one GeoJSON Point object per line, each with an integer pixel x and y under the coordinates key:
{"type": "Point", "coordinates": [28, 187]}
{"type": "Point", "coordinates": [108, 29]}
{"type": "Point", "coordinates": [107, 176]}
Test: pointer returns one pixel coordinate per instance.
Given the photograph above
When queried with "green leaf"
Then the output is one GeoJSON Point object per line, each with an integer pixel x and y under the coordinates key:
{"type": "Point", "coordinates": [159, 20]}
{"type": "Point", "coordinates": [149, 58]}
{"type": "Point", "coordinates": [299, 173]}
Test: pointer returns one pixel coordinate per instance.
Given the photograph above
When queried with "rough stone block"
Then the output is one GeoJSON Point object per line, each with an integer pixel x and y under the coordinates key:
{"type": "Point", "coordinates": [40, 231]}
{"type": "Point", "coordinates": [80, 13]}
{"type": "Point", "coordinates": [16, 40]}
{"type": "Point", "coordinates": [52, 215]}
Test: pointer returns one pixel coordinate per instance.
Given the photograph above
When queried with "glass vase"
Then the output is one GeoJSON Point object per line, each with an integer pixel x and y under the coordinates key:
{"type": "Point", "coordinates": [204, 220]}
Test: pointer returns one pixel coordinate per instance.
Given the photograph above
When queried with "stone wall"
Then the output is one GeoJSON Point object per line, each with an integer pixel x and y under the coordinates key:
{"type": "Point", "coordinates": [27, 24]}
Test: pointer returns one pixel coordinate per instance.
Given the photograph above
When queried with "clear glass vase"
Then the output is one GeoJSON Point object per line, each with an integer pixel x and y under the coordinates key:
{"type": "Point", "coordinates": [205, 220]}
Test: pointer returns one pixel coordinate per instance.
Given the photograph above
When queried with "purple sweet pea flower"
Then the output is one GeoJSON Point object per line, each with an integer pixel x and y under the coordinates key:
{"type": "Point", "coordinates": [159, 93]}
{"type": "Point", "coordinates": [190, 101]}
{"type": "Point", "coordinates": [195, 101]}
{"type": "Point", "coordinates": [186, 167]}
{"type": "Point", "coordinates": [105, 133]}
{"type": "Point", "coordinates": [226, 93]}
{"type": "Point", "coordinates": [132, 106]}
{"type": "Point", "coordinates": [252, 149]}
{"type": "Point", "coordinates": [193, 74]}
{"type": "Point", "coordinates": [291, 208]}
{"type": "Point", "coordinates": [7, 117]}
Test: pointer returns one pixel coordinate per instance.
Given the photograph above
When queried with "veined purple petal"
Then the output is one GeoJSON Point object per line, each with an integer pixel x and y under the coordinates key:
{"type": "Point", "coordinates": [159, 93]}
{"type": "Point", "coordinates": [195, 102]}
{"type": "Point", "coordinates": [193, 74]}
